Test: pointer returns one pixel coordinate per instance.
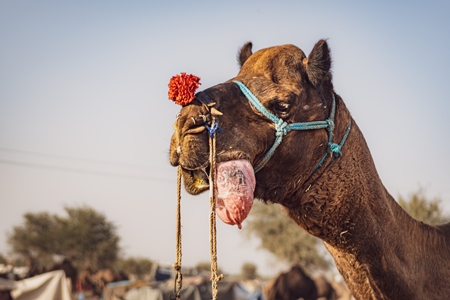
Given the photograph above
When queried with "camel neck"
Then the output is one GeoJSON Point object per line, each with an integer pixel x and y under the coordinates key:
{"type": "Point", "coordinates": [349, 209]}
{"type": "Point", "coordinates": [378, 248]}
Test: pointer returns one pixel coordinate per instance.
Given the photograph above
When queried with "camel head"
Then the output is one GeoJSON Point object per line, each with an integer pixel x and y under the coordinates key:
{"type": "Point", "coordinates": [287, 145]}
{"type": "Point", "coordinates": [293, 87]}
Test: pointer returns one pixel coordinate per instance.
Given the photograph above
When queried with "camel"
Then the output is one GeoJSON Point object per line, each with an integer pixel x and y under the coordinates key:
{"type": "Point", "coordinates": [282, 115]}
{"type": "Point", "coordinates": [295, 284]}
{"type": "Point", "coordinates": [88, 280]}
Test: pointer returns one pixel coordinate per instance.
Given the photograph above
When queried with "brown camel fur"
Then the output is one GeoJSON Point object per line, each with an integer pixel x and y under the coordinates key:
{"type": "Point", "coordinates": [381, 252]}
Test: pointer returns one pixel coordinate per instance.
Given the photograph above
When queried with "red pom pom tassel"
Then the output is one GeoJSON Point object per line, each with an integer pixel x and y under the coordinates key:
{"type": "Point", "coordinates": [182, 88]}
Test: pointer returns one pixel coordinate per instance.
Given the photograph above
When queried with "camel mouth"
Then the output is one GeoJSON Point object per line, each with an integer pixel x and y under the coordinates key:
{"type": "Point", "coordinates": [196, 181]}
{"type": "Point", "coordinates": [232, 155]}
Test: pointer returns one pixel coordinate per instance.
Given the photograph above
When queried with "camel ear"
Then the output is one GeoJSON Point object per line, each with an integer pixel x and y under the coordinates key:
{"type": "Point", "coordinates": [318, 64]}
{"type": "Point", "coordinates": [245, 53]}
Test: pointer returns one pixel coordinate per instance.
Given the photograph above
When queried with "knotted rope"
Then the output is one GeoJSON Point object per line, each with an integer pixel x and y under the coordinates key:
{"type": "Point", "coordinates": [212, 130]}
{"type": "Point", "coordinates": [215, 277]}
{"type": "Point", "coordinates": [177, 264]}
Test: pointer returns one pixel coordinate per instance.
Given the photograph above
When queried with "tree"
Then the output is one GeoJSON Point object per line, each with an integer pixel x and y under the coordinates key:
{"type": "Point", "coordinates": [205, 266]}
{"type": "Point", "coordinates": [35, 239]}
{"type": "Point", "coordinates": [85, 237]}
{"type": "Point", "coordinates": [282, 237]}
{"type": "Point", "coordinates": [135, 265]}
{"type": "Point", "coordinates": [249, 271]}
{"type": "Point", "coordinates": [424, 209]}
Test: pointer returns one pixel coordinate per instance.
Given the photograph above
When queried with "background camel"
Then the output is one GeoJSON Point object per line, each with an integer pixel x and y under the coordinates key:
{"type": "Point", "coordinates": [295, 284]}
{"type": "Point", "coordinates": [97, 281]}
{"type": "Point", "coordinates": [324, 177]}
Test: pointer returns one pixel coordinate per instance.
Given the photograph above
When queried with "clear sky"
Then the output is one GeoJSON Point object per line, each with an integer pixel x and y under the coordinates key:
{"type": "Point", "coordinates": [84, 115]}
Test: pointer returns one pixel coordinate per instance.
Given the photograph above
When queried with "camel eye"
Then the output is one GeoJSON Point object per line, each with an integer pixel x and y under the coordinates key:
{"type": "Point", "coordinates": [281, 107]}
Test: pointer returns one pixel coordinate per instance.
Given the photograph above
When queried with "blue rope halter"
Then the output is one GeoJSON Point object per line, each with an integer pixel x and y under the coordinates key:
{"type": "Point", "coordinates": [282, 128]}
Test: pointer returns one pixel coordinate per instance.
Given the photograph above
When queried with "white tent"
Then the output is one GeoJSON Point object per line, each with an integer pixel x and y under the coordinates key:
{"type": "Point", "coordinates": [47, 286]}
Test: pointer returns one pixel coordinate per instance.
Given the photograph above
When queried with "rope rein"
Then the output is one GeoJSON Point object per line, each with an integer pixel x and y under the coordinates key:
{"type": "Point", "coordinates": [177, 264]}
{"type": "Point", "coordinates": [215, 277]}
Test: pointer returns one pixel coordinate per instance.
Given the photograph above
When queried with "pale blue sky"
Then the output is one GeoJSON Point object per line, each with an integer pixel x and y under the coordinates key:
{"type": "Point", "coordinates": [84, 115]}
